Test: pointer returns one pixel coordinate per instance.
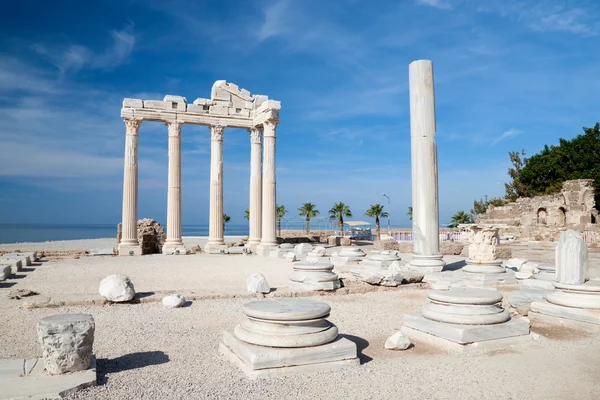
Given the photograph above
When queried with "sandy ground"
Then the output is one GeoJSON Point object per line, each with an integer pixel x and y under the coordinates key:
{"type": "Point", "coordinates": [146, 351]}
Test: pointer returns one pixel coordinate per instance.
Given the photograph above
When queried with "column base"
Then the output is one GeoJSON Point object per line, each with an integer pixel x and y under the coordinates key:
{"type": "Point", "coordinates": [130, 249]}
{"type": "Point", "coordinates": [265, 249]}
{"type": "Point", "coordinates": [252, 245]}
{"type": "Point", "coordinates": [429, 263]}
{"type": "Point", "coordinates": [214, 248]}
{"type": "Point", "coordinates": [174, 248]}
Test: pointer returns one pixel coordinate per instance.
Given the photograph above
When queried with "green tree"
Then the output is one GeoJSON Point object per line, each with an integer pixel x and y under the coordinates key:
{"type": "Point", "coordinates": [460, 217]}
{"type": "Point", "coordinates": [280, 212]}
{"type": "Point", "coordinates": [308, 211]}
{"type": "Point", "coordinates": [247, 216]}
{"type": "Point", "coordinates": [376, 211]}
{"type": "Point", "coordinates": [578, 158]}
{"type": "Point", "coordinates": [226, 219]}
{"type": "Point", "coordinates": [409, 213]}
{"type": "Point", "coordinates": [480, 206]}
{"type": "Point", "coordinates": [338, 212]}
{"type": "Point", "coordinates": [516, 187]}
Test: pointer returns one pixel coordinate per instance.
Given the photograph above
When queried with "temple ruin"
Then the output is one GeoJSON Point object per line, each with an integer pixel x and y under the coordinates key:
{"type": "Point", "coordinates": [544, 217]}
{"type": "Point", "coordinates": [228, 107]}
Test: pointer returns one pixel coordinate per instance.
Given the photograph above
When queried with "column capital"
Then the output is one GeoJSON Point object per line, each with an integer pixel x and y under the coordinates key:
{"type": "Point", "coordinates": [255, 135]}
{"type": "Point", "coordinates": [132, 125]}
{"type": "Point", "coordinates": [174, 128]}
{"type": "Point", "coordinates": [269, 127]}
{"type": "Point", "coordinates": [217, 133]}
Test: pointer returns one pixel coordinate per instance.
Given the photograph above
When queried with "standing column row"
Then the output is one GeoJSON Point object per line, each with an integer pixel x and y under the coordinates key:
{"type": "Point", "coordinates": [424, 165]}
{"type": "Point", "coordinates": [129, 244]}
{"type": "Point", "coordinates": [255, 209]}
{"type": "Point", "coordinates": [215, 229]}
{"type": "Point", "coordinates": [269, 194]}
{"type": "Point", "coordinates": [174, 242]}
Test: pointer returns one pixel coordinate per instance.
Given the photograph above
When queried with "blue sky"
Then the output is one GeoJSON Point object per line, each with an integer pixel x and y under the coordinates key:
{"type": "Point", "coordinates": [509, 75]}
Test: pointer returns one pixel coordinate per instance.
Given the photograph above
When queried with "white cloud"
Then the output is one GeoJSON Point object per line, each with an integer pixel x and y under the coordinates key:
{"type": "Point", "coordinates": [505, 135]}
{"type": "Point", "coordinates": [441, 4]}
{"type": "Point", "coordinates": [76, 57]}
{"type": "Point", "coordinates": [274, 23]}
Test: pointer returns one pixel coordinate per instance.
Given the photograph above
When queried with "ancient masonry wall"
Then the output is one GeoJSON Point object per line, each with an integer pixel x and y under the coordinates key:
{"type": "Point", "coordinates": [544, 217]}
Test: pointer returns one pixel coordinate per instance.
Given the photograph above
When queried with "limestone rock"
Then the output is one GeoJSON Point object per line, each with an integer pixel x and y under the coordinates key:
{"type": "Point", "coordinates": [290, 256]}
{"type": "Point", "coordinates": [5, 271]}
{"type": "Point", "coordinates": [117, 288]}
{"type": "Point", "coordinates": [319, 251]}
{"type": "Point", "coordinates": [302, 248]}
{"type": "Point", "coordinates": [151, 236]}
{"type": "Point", "coordinates": [17, 294]}
{"type": "Point", "coordinates": [173, 301]}
{"type": "Point", "coordinates": [515, 263]}
{"type": "Point", "coordinates": [66, 342]}
{"type": "Point", "coordinates": [389, 244]}
{"type": "Point", "coordinates": [256, 283]}
{"type": "Point", "coordinates": [571, 259]}
{"type": "Point", "coordinates": [397, 342]}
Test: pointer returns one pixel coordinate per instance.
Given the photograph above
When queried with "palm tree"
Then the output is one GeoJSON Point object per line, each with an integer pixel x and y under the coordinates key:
{"type": "Point", "coordinates": [338, 212]}
{"type": "Point", "coordinates": [247, 216]}
{"type": "Point", "coordinates": [308, 211]}
{"type": "Point", "coordinates": [409, 213]}
{"type": "Point", "coordinates": [280, 212]}
{"type": "Point", "coordinates": [376, 211]}
{"type": "Point", "coordinates": [226, 219]}
{"type": "Point", "coordinates": [460, 217]}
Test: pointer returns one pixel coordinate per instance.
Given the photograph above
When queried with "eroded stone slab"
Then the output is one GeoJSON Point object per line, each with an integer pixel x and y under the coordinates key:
{"type": "Point", "coordinates": [577, 314]}
{"type": "Point", "coordinates": [36, 384]}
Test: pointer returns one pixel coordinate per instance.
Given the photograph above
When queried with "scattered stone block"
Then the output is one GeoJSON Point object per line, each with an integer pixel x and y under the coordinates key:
{"type": "Point", "coordinates": [5, 271]}
{"type": "Point", "coordinates": [257, 283]}
{"type": "Point", "coordinates": [17, 294]}
{"type": "Point", "coordinates": [156, 104]}
{"type": "Point", "coordinates": [397, 342]}
{"type": "Point", "coordinates": [173, 301]}
{"type": "Point", "coordinates": [66, 341]}
{"type": "Point", "coordinates": [117, 288]}
{"type": "Point", "coordinates": [515, 263]}
{"type": "Point", "coordinates": [102, 252]}
{"type": "Point", "coordinates": [388, 244]}
{"type": "Point", "coordinates": [314, 276]}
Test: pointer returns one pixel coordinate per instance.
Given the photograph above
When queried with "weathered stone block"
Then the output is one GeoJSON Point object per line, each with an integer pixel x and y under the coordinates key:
{"type": "Point", "coordinates": [133, 103]}
{"type": "Point", "coordinates": [67, 342]}
{"type": "Point", "coordinates": [199, 109]}
{"type": "Point", "coordinates": [156, 105]}
{"type": "Point", "coordinates": [116, 288]}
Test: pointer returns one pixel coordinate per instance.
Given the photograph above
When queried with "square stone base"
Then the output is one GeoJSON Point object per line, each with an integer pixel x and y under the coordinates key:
{"type": "Point", "coordinates": [308, 286]}
{"type": "Point", "coordinates": [466, 334]}
{"type": "Point", "coordinates": [125, 250]}
{"type": "Point", "coordinates": [265, 249]}
{"type": "Point", "coordinates": [569, 323]}
{"type": "Point", "coordinates": [214, 248]}
{"type": "Point", "coordinates": [495, 344]}
{"type": "Point", "coordinates": [576, 314]}
{"type": "Point", "coordinates": [472, 279]}
{"type": "Point", "coordinates": [173, 249]}
{"type": "Point", "coordinates": [36, 384]}
{"type": "Point", "coordinates": [538, 284]}
{"type": "Point", "coordinates": [259, 361]}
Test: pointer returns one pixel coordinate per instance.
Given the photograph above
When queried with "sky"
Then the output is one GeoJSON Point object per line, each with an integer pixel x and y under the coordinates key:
{"type": "Point", "coordinates": [509, 75]}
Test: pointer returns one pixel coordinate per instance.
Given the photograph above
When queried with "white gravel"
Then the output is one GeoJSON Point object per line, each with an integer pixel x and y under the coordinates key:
{"type": "Point", "coordinates": [148, 351]}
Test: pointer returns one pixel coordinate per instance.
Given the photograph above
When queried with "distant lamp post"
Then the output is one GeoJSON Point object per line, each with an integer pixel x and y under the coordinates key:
{"type": "Point", "coordinates": [389, 214]}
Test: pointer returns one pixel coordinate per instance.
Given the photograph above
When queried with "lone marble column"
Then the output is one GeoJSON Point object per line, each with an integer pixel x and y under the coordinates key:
{"type": "Point", "coordinates": [426, 241]}
{"type": "Point", "coordinates": [129, 244]}
{"type": "Point", "coordinates": [255, 188]}
{"type": "Point", "coordinates": [215, 229]}
{"type": "Point", "coordinates": [269, 197]}
{"type": "Point", "coordinates": [174, 243]}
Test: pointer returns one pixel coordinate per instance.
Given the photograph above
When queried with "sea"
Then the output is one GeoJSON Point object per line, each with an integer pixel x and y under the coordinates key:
{"type": "Point", "coordinates": [15, 233]}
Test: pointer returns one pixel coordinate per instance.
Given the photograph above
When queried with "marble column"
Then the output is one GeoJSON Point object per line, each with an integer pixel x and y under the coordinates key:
{"type": "Point", "coordinates": [174, 243]}
{"type": "Point", "coordinates": [426, 241]}
{"type": "Point", "coordinates": [215, 228]}
{"type": "Point", "coordinates": [269, 197]}
{"type": "Point", "coordinates": [129, 244]}
{"type": "Point", "coordinates": [255, 188]}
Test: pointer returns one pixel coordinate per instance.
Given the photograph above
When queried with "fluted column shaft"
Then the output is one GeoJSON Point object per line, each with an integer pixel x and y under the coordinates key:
{"type": "Point", "coordinates": [269, 194]}
{"type": "Point", "coordinates": [215, 229]}
{"type": "Point", "coordinates": [424, 163]}
{"type": "Point", "coordinates": [255, 187]}
{"type": "Point", "coordinates": [174, 191]}
{"type": "Point", "coordinates": [130, 185]}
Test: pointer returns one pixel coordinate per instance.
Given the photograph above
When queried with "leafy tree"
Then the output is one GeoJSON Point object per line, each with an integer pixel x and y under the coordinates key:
{"type": "Point", "coordinates": [480, 206]}
{"type": "Point", "coordinates": [376, 211]}
{"type": "Point", "coordinates": [280, 212]}
{"type": "Point", "coordinates": [460, 217]}
{"type": "Point", "coordinates": [308, 211]}
{"type": "Point", "coordinates": [338, 212]}
{"type": "Point", "coordinates": [578, 158]}
{"type": "Point", "coordinates": [247, 216]}
{"type": "Point", "coordinates": [516, 188]}
{"type": "Point", "coordinates": [409, 213]}
{"type": "Point", "coordinates": [226, 219]}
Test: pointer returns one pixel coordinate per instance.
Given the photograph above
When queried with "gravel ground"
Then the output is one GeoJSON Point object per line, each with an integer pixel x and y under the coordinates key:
{"type": "Point", "coordinates": [145, 351]}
